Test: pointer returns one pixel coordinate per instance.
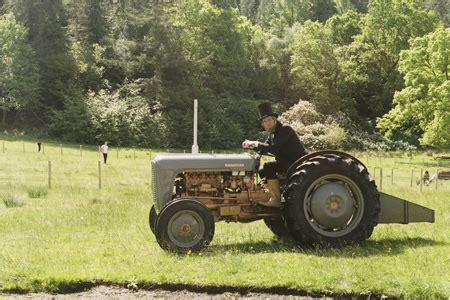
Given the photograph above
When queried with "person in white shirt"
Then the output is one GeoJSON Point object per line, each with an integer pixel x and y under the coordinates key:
{"type": "Point", "coordinates": [105, 151]}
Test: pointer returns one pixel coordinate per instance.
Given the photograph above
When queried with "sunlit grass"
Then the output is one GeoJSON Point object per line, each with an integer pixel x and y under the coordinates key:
{"type": "Point", "coordinates": [75, 233]}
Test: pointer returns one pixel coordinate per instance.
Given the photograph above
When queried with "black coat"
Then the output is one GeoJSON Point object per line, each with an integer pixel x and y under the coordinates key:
{"type": "Point", "coordinates": [284, 144]}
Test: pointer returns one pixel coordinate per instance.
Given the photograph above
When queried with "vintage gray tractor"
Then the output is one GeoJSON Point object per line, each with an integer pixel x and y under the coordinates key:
{"type": "Point", "coordinates": [328, 197]}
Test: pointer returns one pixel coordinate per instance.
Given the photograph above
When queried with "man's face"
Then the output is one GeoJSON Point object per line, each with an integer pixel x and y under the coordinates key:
{"type": "Point", "coordinates": [269, 123]}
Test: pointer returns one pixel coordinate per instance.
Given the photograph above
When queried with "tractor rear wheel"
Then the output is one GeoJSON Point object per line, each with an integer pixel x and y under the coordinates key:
{"type": "Point", "coordinates": [152, 216]}
{"type": "Point", "coordinates": [183, 226]}
{"type": "Point", "coordinates": [332, 200]}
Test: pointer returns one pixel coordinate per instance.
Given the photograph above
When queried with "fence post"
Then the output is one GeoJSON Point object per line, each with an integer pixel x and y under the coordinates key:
{"type": "Point", "coordinates": [99, 152]}
{"type": "Point", "coordinates": [23, 147]}
{"type": "Point", "coordinates": [49, 174]}
{"type": "Point", "coordinates": [61, 149]}
{"type": "Point", "coordinates": [3, 147]}
{"type": "Point", "coordinates": [81, 151]}
{"type": "Point", "coordinates": [437, 178]}
{"type": "Point", "coordinates": [117, 152]}
{"type": "Point", "coordinates": [421, 176]}
{"type": "Point", "coordinates": [381, 179]}
{"type": "Point", "coordinates": [43, 148]}
{"type": "Point", "coordinates": [99, 175]}
{"type": "Point", "coordinates": [374, 173]}
{"type": "Point", "coordinates": [134, 154]}
{"type": "Point", "coordinates": [412, 177]}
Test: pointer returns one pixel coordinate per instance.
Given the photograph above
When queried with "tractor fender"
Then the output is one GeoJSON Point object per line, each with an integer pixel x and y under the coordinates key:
{"type": "Point", "coordinates": [304, 158]}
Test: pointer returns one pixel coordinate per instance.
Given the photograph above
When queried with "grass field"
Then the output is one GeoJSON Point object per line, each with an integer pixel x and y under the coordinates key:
{"type": "Point", "coordinates": [75, 234]}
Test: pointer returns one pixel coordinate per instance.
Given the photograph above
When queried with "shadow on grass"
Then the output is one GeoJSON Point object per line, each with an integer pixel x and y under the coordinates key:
{"type": "Point", "coordinates": [385, 247]}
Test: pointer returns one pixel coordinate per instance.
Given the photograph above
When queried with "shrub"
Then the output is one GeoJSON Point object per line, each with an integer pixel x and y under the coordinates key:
{"type": "Point", "coordinates": [336, 131]}
{"type": "Point", "coordinates": [37, 192]}
{"type": "Point", "coordinates": [12, 200]}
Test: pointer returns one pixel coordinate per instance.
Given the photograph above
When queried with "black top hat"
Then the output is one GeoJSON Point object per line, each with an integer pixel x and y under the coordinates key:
{"type": "Point", "coordinates": [265, 110]}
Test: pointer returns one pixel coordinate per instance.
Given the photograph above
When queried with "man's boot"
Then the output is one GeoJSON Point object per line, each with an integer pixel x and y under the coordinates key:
{"type": "Point", "coordinates": [273, 186]}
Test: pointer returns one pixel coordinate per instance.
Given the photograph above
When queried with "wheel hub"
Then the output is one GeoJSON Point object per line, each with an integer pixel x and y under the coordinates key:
{"type": "Point", "coordinates": [331, 205]}
{"type": "Point", "coordinates": [185, 228]}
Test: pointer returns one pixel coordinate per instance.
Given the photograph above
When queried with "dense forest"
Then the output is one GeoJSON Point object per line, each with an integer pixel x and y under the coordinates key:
{"type": "Point", "coordinates": [346, 73]}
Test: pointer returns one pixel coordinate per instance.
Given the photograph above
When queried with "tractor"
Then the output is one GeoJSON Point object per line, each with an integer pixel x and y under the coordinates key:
{"type": "Point", "coordinates": [328, 198]}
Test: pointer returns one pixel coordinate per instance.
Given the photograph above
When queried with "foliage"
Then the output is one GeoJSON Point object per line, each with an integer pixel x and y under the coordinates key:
{"type": "Point", "coordinates": [231, 55]}
{"type": "Point", "coordinates": [422, 108]}
{"type": "Point", "coordinates": [56, 67]}
{"type": "Point", "coordinates": [318, 131]}
{"type": "Point", "coordinates": [370, 64]}
{"type": "Point", "coordinates": [11, 199]}
{"type": "Point", "coordinates": [345, 27]}
{"type": "Point", "coordinates": [39, 192]}
{"type": "Point", "coordinates": [315, 69]}
{"type": "Point", "coordinates": [124, 117]}
{"type": "Point", "coordinates": [18, 74]}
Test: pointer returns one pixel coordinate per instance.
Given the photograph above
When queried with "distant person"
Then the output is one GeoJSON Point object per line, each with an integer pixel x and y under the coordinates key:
{"type": "Point", "coordinates": [105, 151]}
{"type": "Point", "coordinates": [39, 146]}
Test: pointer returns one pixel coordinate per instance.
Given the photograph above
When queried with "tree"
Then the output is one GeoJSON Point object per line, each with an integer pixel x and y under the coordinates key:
{"type": "Point", "coordinates": [345, 27]}
{"type": "Point", "coordinates": [46, 22]}
{"type": "Point", "coordinates": [442, 9]}
{"type": "Point", "coordinates": [322, 10]}
{"type": "Point", "coordinates": [370, 63]}
{"type": "Point", "coordinates": [315, 69]}
{"type": "Point", "coordinates": [18, 72]}
{"type": "Point", "coordinates": [356, 5]}
{"type": "Point", "coordinates": [422, 108]}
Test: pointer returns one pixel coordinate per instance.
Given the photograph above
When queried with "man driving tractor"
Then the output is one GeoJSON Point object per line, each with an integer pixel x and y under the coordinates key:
{"type": "Point", "coordinates": [282, 142]}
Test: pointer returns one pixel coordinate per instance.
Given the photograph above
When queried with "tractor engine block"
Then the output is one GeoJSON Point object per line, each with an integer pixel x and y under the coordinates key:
{"type": "Point", "coordinates": [231, 196]}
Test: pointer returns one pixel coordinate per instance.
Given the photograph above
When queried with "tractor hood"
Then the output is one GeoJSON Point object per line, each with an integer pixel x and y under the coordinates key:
{"type": "Point", "coordinates": [165, 168]}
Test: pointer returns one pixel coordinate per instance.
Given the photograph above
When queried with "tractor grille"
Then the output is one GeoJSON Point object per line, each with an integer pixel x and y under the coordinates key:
{"type": "Point", "coordinates": [154, 183]}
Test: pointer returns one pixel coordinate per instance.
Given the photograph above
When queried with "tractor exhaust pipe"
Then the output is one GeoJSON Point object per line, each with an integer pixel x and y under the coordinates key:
{"type": "Point", "coordinates": [195, 146]}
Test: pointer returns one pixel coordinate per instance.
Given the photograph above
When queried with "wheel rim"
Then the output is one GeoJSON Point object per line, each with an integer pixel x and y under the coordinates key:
{"type": "Point", "coordinates": [333, 205]}
{"type": "Point", "coordinates": [186, 228]}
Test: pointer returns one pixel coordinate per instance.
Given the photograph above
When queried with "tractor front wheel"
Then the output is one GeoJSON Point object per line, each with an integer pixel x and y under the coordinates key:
{"type": "Point", "coordinates": [152, 219]}
{"type": "Point", "coordinates": [183, 226]}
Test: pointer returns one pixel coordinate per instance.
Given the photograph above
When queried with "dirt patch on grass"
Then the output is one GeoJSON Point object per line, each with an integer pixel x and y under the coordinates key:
{"type": "Point", "coordinates": [114, 292]}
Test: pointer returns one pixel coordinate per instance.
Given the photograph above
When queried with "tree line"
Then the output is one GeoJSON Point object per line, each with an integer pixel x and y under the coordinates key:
{"type": "Point", "coordinates": [127, 71]}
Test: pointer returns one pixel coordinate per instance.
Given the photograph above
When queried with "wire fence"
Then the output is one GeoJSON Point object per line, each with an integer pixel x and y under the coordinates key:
{"type": "Point", "coordinates": [60, 166]}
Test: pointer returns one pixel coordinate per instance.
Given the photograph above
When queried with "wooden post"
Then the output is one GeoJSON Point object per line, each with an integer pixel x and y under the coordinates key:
{"type": "Point", "coordinates": [49, 174]}
{"type": "Point", "coordinates": [3, 147]}
{"type": "Point", "coordinates": [43, 148]}
{"type": "Point", "coordinates": [392, 176]}
{"type": "Point", "coordinates": [99, 152]}
{"type": "Point", "coordinates": [61, 149]}
{"type": "Point", "coordinates": [412, 177]}
{"type": "Point", "coordinates": [134, 154]}
{"type": "Point", "coordinates": [374, 173]}
{"type": "Point", "coordinates": [99, 175]}
{"type": "Point", "coordinates": [437, 178]}
{"type": "Point", "coordinates": [23, 147]}
{"type": "Point", "coordinates": [421, 176]}
{"type": "Point", "coordinates": [81, 151]}
{"type": "Point", "coordinates": [381, 179]}
{"type": "Point", "coordinates": [117, 152]}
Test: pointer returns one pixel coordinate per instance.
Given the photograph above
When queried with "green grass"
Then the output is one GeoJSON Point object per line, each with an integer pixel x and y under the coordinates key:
{"type": "Point", "coordinates": [75, 234]}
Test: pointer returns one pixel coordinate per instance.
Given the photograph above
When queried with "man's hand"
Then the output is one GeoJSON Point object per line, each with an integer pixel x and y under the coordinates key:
{"type": "Point", "coordinates": [249, 144]}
